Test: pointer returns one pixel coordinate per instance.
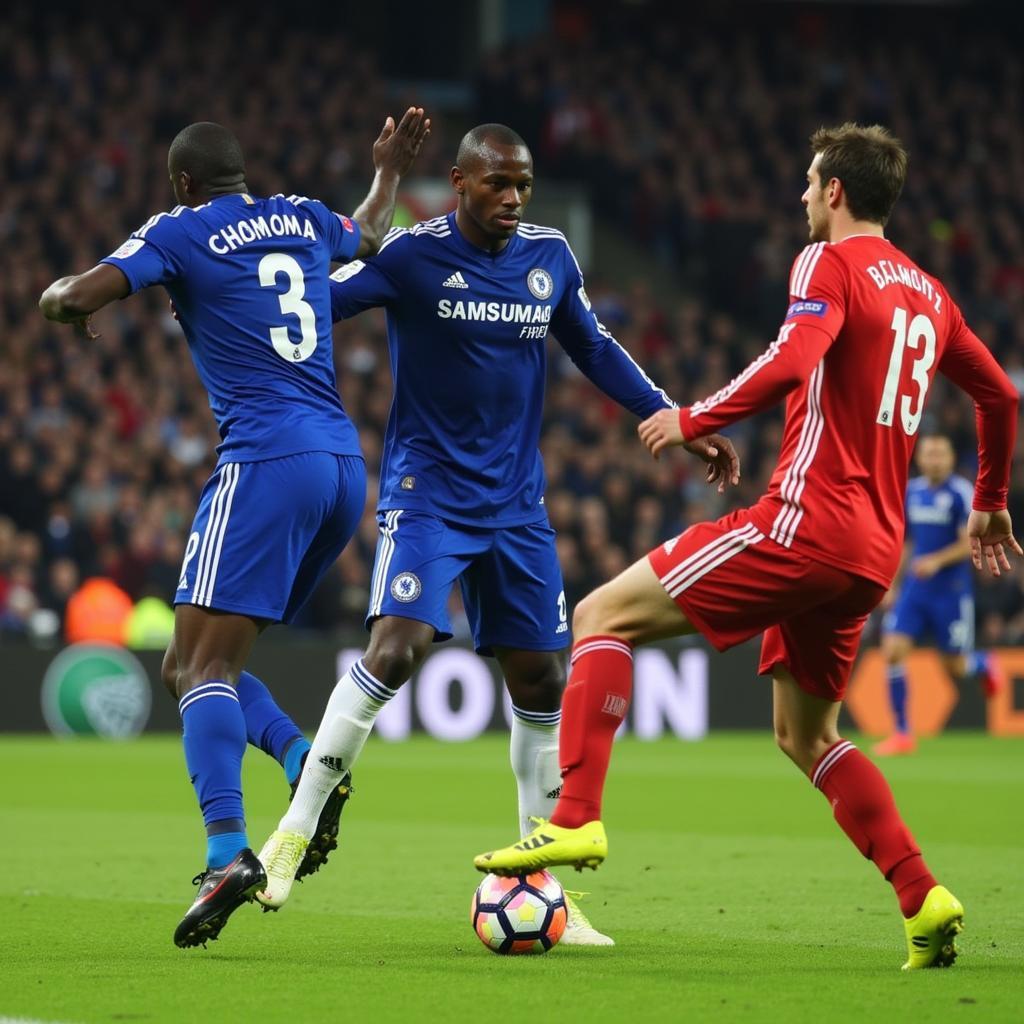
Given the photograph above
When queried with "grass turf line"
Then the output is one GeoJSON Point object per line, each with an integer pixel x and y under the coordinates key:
{"type": "Point", "coordinates": [730, 891]}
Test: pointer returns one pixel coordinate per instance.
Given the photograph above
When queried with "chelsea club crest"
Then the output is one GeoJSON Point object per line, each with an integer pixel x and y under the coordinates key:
{"type": "Point", "coordinates": [406, 587]}
{"type": "Point", "coordinates": [540, 284]}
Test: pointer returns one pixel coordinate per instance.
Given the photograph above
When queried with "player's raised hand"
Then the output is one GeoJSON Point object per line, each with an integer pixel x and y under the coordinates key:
{"type": "Point", "coordinates": [723, 464]}
{"type": "Point", "coordinates": [398, 146]}
{"type": "Point", "coordinates": [990, 534]}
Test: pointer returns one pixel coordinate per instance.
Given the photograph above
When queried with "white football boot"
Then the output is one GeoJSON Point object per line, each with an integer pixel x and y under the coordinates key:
{"type": "Point", "coordinates": [578, 929]}
{"type": "Point", "coordinates": [281, 856]}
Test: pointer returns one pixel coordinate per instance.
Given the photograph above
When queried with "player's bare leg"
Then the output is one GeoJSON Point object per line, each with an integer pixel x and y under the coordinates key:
{"type": "Point", "coordinates": [805, 725]}
{"type": "Point", "coordinates": [210, 649]}
{"type": "Point", "coordinates": [632, 609]}
{"type": "Point", "coordinates": [863, 805]}
{"type": "Point", "coordinates": [397, 647]}
{"type": "Point", "coordinates": [895, 648]}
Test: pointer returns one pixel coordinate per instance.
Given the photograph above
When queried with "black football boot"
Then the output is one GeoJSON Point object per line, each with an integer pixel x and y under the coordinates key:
{"type": "Point", "coordinates": [221, 892]}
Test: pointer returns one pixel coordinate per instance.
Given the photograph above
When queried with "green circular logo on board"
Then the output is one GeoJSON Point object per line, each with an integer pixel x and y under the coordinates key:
{"type": "Point", "coordinates": [96, 689]}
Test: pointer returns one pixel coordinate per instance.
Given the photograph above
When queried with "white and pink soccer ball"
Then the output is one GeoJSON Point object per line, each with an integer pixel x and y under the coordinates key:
{"type": "Point", "coordinates": [524, 914]}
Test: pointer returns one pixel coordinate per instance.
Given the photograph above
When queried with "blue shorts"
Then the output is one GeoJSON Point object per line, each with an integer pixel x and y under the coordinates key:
{"type": "Point", "coordinates": [510, 578]}
{"type": "Point", "coordinates": [266, 532]}
{"type": "Point", "coordinates": [946, 615]}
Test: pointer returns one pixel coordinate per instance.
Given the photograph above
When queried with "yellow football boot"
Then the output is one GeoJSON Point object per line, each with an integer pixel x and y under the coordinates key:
{"type": "Point", "coordinates": [932, 930]}
{"type": "Point", "coordinates": [546, 846]}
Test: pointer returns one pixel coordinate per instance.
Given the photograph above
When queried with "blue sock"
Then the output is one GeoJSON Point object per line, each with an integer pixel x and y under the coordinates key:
{"type": "Point", "coordinates": [224, 848]}
{"type": "Point", "coordinates": [897, 677]}
{"type": "Point", "coordinates": [214, 740]}
{"type": "Point", "coordinates": [269, 728]}
{"type": "Point", "coordinates": [293, 758]}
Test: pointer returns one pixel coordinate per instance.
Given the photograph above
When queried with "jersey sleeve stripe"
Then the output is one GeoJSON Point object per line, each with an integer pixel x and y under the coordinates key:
{"type": "Point", "coordinates": [639, 369]}
{"type": "Point", "coordinates": [427, 228]}
{"type": "Point", "coordinates": [794, 274]}
{"type": "Point", "coordinates": [800, 267]}
{"type": "Point", "coordinates": [784, 528]}
{"type": "Point", "coordinates": [579, 269]}
{"type": "Point", "coordinates": [804, 277]}
{"type": "Point", "coordinates": [535, 231]}
{"type": "Point", "coordinates": [392, 236]}
{"type": "Point", "coordinates": [156, 218]}
{"type": "Point", "coordinates": [734, 385]}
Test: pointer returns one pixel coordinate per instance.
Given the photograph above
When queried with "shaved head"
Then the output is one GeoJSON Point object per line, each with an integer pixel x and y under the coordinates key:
{"type": "Point", "coordinates": [493, 179]}
{"type": "Point", "coordinates": [210, 155]}
{"type": "Point", "coordinates": [481, 140]}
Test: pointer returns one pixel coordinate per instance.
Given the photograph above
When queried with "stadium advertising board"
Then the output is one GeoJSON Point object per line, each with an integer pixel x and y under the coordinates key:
{"type": "Point", "coordinates": [681, 689]}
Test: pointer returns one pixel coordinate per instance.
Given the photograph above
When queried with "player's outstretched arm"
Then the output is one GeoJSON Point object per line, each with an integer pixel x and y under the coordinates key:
{"type": "Point", "coordinates": [786, 364]}
{"type": "Point", "coordinates": [394, 153]}
{"type": "Point", "coordinates": [991, 535]}
{"type": "Point", "coordinates": [72, 300]}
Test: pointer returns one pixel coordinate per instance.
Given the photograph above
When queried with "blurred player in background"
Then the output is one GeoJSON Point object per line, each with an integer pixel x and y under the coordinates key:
{"type": "Point", "coordinates": [470, 298]}
{"type": "Point", "coordinates": [864, 334]}
{"type": "Point", "coordinates": [936, 592]}
{"type": "Point", "coordinates": [248, 278]}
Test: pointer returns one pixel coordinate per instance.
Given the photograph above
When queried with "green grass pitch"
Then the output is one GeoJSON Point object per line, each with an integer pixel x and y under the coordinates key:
{"type": "Point", "coordinates": [731, 892]}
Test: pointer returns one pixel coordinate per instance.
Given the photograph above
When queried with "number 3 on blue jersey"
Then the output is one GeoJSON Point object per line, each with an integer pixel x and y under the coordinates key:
{"type": "Point", "coordinates": [271, 265]}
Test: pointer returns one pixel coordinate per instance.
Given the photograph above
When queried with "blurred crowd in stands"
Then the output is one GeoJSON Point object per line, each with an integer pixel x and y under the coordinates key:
{"type": "Point", "coordinates": [690, 141]}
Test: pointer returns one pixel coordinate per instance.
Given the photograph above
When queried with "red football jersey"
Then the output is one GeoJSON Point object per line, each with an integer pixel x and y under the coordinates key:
{"type": "Point", "coordinates": [864, 335]}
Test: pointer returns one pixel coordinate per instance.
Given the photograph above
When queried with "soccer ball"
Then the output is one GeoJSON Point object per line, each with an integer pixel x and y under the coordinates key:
{"type": "Point", "coordinates": [525, 914]}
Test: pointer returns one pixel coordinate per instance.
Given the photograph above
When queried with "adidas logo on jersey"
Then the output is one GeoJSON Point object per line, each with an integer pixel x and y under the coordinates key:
{"type": "Point", "coordinates": [455, 281]}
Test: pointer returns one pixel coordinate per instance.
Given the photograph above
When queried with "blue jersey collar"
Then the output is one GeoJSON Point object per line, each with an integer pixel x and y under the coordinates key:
{"type": "Point", "coordinates": [474, 250]}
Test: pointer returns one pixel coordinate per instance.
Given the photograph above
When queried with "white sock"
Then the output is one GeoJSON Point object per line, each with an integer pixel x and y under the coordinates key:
{"type": "Point", "coordinates": [353, 706]}
{"type": "Point", "coordinates": [534, 755]}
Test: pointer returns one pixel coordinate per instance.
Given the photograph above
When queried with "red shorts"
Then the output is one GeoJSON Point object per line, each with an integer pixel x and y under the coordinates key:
{"type": "Point", "coordinates": [732, 582]}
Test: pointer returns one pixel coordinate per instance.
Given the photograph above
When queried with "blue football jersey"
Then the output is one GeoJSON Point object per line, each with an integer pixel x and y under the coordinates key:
{"type": "Point", "coordinates": [466, 331]}
{"type": "Point", "coordinates": [935, 517]}
{"type": "Point", "coordinates": [248, 278]}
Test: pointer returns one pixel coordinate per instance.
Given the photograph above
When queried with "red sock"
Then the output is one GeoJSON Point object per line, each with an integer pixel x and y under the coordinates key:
{"type": "Point", "coordinates": [866, 811]}
{"type": "Point", "coordinates": [595, 702]}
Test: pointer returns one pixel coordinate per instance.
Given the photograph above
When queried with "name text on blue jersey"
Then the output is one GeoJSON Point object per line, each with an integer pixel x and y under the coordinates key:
{"type": "Point", "coordinates": [231, 237]}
